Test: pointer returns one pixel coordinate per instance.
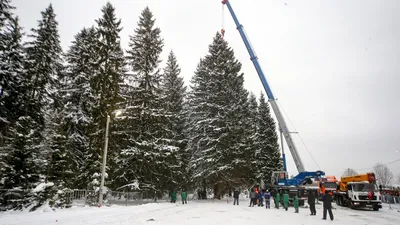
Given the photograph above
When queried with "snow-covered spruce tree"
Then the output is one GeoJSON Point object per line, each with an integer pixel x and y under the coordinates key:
{"type": "Point", "coordinates": [218, 106]}
{"type": "Point", "coordinates": [8, 82]}
{"type": "Point", "coordinates": [5, 12]}
{"type": "Point", "coordinates": [81, 58]}
{"type": "Point", "coordinates": [146, 146]}
{"type": "Point", "coordinates": [109, 69]}
{"type": "Point", "coordinates": [19, 153]}
{"type": "Point", "coordinates": [22, 170]}
{"type": "Point", "coordinates": [174, 92]}
{"type": "Point", "coordinates": [268, 153]}
{"type": "Point", "coordinates": [251, 138]}
{"type": "Point", "coordinates": [59, 171]}
{"type": "Point", "coordinates": [44, 68]}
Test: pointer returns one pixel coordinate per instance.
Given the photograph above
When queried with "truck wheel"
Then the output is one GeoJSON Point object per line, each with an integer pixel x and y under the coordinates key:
{"type": "Point", "coordinates": [340, 201]}
{"type": "Point", "coordinates": [376, 209]}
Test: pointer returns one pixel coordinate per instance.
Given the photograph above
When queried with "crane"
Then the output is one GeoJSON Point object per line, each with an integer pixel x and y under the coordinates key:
{"type": "Point", "coordinates": [283, 128]}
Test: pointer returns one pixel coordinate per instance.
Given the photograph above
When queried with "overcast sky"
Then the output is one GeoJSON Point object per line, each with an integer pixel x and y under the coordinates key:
{"type": "Point", "coordinates": [333, 65]}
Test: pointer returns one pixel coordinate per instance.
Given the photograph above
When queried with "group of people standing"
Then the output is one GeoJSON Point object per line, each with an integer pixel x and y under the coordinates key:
{"type": "Point", "coordinates": [172, 195]}
{"type": "Point", "coordinates": [257, 197]}
{"type": "Point", "coordinates": [281, 197]}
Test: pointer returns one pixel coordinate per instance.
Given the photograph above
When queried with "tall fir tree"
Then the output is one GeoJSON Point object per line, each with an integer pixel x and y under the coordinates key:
{"type": "Point", "coordinates": [8, 81]}
{"type": "Point", "coordinates": [20, 167]}
{"type": "Point", "coordinates": [11, 75]}
{"type": "Point", "coordinates": [45, 69]}
{"type": "Point", "coordinates": [109, 70]}
{"type": "Point", "coordinates": [268, 153]}
{"type": "Point", "coordinates": [44, 62]}
{"type": "Point", "coordinates": [218, 104]}
{"type": "Point", "coordinates": [251, 138]}
{"type": "Point", "coordinates": [174, 92]}
{"type": "Point", "coordinates": [81, 59]}
{"type": "Point", "coordinates": [145, 148]}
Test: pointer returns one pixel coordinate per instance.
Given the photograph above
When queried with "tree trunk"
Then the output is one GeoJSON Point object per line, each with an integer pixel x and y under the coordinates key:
{"type": "Point", "coordinates": [217, 191]}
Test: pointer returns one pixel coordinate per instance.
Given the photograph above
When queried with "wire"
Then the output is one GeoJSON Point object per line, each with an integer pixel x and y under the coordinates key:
{"type": "Point", "coordinates": [309, 152]}
{"type": "Point", "coordinates": [294, 128]}
{"type": "Point", "coordinates": [397, 160]}
{"type": "Point", "coordinates": [384, 164]}
{"type": "Point", "coordinates": [280, 106]}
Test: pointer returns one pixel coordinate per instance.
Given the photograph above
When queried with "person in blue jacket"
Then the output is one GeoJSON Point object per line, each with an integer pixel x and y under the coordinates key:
{"type": "Point", "coordinates": [260, 198]}
{"type": "Point", "coordinates": [267, 197]}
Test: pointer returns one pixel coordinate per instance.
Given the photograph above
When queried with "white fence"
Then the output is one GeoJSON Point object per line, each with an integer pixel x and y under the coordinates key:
{"type": "Point", "coordinates": [87, 197]}
{"type": "Point", "coordinates": [90, 197]}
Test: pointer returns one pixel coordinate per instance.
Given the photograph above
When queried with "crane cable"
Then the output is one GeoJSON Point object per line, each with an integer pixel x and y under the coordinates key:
{"type": "Point", "coordinates": [222, 22]}
{"type": "Point", "coordinates": [280, 106]}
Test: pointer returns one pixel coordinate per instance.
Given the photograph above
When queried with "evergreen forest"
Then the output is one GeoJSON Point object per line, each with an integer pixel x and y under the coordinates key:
{"type": "Point", "coordinates": [164, 134]}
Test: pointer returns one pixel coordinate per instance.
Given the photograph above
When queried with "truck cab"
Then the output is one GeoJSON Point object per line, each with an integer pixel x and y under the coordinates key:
{"type": "Point", "coordinates": [359, 191]}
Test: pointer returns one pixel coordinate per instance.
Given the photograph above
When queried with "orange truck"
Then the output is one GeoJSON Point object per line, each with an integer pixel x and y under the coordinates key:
{"type": "Point", "coordinates": [329, 184]}
{"type": "Point", "coordinates": [359, 191]}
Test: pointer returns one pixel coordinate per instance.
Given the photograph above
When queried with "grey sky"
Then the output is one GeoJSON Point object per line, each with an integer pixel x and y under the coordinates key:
{"type": "Point", "coordinates": [333, 65]}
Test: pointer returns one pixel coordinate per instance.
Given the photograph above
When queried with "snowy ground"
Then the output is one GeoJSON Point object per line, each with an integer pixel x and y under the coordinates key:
{"type": "Point", "coordinates": [197, 213]}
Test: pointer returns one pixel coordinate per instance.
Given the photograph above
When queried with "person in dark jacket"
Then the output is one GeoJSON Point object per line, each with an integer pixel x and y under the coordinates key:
{"type": "Point", "coordinates": [260, 197]}
{"type": "Point", "coordinates": [236, 197]}
{"type": "Point", "coordinates": [267, 197]}
{"type": "Point", "coordinates": [311, 202]}
{"type": "Point", "coordinates": [327, 200]}
{"type": "Point", "coordinates": [253, 197]}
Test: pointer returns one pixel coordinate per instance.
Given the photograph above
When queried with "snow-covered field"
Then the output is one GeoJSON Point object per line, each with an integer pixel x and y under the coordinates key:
{"type": "Point", "coordinates": [197, 213]}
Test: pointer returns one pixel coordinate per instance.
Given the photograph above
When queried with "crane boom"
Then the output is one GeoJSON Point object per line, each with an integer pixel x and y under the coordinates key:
{"type": "Point", "coordinates": [281, 121]}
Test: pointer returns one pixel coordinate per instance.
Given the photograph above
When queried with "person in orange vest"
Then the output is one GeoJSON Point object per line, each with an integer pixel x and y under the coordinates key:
{"type": "Point", "coordinates": [323, 189]}
{"type": "Point", "coordinates": [256, 201]}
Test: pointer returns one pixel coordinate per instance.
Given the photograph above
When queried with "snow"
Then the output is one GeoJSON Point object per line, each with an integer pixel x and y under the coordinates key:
{"type": "Point", "coordinates": [3, 119]}
{"type": "Point", "coordinates": [42, 186]}
{"type": "Point", "coordinates": [197, 213]}
{"type": "Point", "coordinates": [134, 186]}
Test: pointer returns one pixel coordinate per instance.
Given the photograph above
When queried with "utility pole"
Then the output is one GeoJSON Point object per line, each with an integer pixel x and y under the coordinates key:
{"type": "Point", "coordinates": [103, 168]}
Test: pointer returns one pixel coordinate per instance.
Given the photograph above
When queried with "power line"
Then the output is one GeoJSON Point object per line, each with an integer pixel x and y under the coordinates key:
{"type": "Point", "coordinates": [367, 168]}
{"type": "Point", "coordinates": [299, 135]}
{"type": "Point", "coordinates": [384, 164]}
{"type": "Point", "coordinates": [397, 160]}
